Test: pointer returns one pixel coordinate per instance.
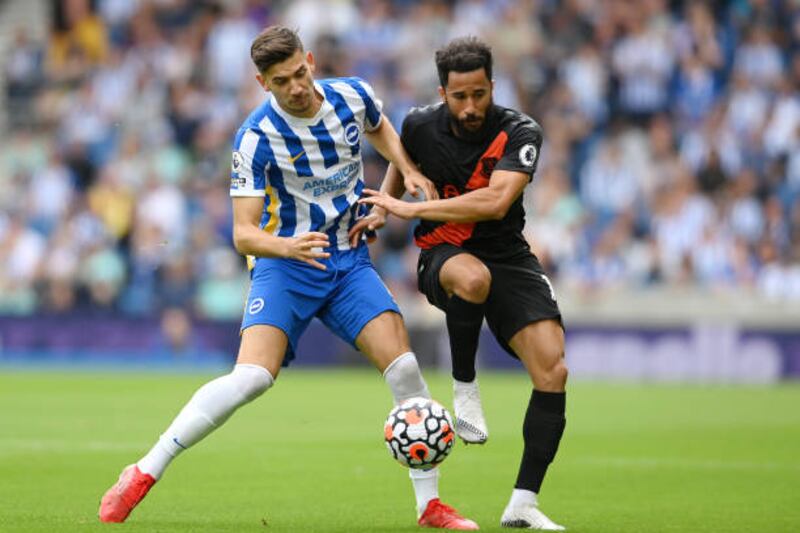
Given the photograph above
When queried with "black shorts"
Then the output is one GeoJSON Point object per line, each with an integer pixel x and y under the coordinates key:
{"type": "Point", "coordinates": [520, 292]}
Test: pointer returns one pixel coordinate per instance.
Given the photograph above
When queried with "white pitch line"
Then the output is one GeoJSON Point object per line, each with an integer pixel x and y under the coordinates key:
{"type": "Point", "coordinates": [14, 446]}
{"type": "Point", "coordinates": [707, 464]}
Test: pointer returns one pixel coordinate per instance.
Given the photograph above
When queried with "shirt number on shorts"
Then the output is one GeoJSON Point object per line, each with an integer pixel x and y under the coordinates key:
{"type": "Point", "coordinates": [550, 286]}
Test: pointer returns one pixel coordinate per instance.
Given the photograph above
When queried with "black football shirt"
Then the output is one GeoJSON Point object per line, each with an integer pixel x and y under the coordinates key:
{"type": "Point", "coordinates": [509, 141]}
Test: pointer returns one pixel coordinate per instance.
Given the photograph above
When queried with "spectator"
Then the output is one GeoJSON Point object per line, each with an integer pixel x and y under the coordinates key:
{"type": "Point", "coordinates": [759, 59]}
{"type": "Point", "coordinates": [671, 155]}
{"type": "Point", "coordinates": [23, 71]}
{"type": "Point", "coordinates": [176, 333]}
{"type": "Point", "coordinates": [608, 185]}
{"type": "Point", "coordinates": [643, 62]}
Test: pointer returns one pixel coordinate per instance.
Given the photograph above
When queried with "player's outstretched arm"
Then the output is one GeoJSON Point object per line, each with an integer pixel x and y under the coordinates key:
{"type": "Point", "coordinates": [376, 219]}
{"type": "Point", "coordinates": [393, 183]}
{"type": "Point", "coordinates": [487, 203]}
{"type": "Point", "coordinates": [387, 142]}
{"type": "Point", "coordinates": [250, 239]}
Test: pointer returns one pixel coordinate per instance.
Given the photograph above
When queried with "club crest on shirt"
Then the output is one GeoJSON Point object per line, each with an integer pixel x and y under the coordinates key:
{"type": "Point", "coordinates": [527, 155]}
{"type": "Point", "coordinates": [351, 134]}
{"type": "Point", "coordinates": [255, 306]}
{"type": "Point", "coordinates": [236, 161]}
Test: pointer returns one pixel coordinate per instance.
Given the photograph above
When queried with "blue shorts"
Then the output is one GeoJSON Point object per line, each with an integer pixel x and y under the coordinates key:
{"type": "Point", "coordinates": [287, 294]}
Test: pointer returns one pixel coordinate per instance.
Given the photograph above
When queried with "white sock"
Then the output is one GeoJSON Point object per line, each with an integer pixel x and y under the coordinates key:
{"type": "Point", "coordinates": [465, 385]}
{"type": "Point", "coordinates": [406, 381]}
{"type": "Point", "coordinates": [209, 408]}
{"type": "Point", "coordinates": [523, 498]}
{"type": "Point", "coordinates": [156, 461]}
{"type": "Point", "coordinates": [404, 378]}
{"type": "Point", "coordinates": [426, 487]}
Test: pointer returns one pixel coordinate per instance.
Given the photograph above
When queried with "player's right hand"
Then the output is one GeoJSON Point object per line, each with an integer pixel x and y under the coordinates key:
{"type": "Point", "coordinates": [374, 220]}
{"type": "Point", "coordinates": [305, 248]}
{"type": "Point", "coordinates": [415, 181]}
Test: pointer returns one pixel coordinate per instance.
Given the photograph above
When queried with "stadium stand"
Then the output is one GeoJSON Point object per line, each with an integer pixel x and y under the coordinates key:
{"type": "Point", "coordinates": [671, 163]}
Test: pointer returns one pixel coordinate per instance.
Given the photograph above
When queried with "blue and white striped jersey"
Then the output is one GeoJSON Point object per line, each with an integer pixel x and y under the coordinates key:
{"type": "Point", "coordinates": [308, 169]}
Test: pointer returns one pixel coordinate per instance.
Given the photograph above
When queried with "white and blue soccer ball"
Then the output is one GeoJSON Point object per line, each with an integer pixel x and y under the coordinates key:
{"type": "Point", "coordinates": [419, 433]}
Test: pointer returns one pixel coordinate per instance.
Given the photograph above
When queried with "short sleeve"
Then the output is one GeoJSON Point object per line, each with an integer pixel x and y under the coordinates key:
{"type": "Point", "coordinates": [248, 164]}
{"type": "Point", "coordinates": [373, 107]}
{"type": "Point", "coordinates": [522, 150]}
{"type": "Point", "coordinates": [407, 137]}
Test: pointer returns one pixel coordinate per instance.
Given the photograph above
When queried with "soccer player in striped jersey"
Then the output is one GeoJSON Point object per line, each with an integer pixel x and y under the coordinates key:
{"type": "Point", "coordinates": [296, 179]}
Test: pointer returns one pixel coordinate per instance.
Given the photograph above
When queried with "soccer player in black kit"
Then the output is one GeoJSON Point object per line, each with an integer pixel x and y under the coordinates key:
{"type": "Point", "coordinates": [474, 261]}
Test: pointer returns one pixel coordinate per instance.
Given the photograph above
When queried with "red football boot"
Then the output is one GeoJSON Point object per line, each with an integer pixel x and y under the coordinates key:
{"type": "Point", "coordinates": [443, 516]}
{"type": "Point", "coordinates": [119, 500]}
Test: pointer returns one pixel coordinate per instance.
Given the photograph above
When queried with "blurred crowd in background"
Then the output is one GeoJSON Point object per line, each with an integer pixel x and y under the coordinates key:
{"type": "Point", "coordinates": [671, 155]}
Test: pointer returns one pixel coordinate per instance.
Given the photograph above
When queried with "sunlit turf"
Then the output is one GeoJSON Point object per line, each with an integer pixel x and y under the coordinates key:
{"type": "Point", "coordinates": [309, 456]}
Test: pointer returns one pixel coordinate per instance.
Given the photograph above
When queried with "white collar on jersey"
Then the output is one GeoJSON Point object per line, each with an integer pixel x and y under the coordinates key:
{"type": "Point", "coordinates": [302, 121]}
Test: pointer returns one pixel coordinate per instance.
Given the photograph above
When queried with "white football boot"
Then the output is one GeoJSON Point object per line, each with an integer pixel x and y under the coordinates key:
{"type": "Point", "coordinates": [528, 517]}
{"type": "Point", "coordinates": [470, 423]}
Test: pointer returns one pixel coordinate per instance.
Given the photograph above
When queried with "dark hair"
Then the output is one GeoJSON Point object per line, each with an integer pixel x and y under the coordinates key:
{"type": "Point", "coordinates": [273, 45]}
{"type": "Point", "coordinates": [464, 54]}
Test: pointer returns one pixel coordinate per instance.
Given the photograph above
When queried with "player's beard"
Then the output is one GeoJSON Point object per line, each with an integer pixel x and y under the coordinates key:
{"type": "Point", "coordinates": [465, 130]}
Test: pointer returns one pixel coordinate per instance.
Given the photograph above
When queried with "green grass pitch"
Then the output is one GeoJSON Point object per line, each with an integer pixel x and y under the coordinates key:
{"type": "Point", "coordinates": [309, 456]}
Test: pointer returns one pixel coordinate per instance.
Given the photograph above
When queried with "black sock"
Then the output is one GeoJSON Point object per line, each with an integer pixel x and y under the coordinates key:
{"type": "Point", "coordinates": [464, 320]}
{"type": "Point", "coordinates": [542, 430]}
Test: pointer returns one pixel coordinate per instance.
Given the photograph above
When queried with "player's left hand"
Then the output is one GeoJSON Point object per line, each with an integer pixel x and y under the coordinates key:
{"type": "Point", "coordinates": [415, 180]}
{"type": "Point", "coordinates": [396, 207]}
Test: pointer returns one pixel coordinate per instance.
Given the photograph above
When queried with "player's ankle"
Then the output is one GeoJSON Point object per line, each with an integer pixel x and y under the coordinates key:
{"type": "Point", "coordinates": [523, 498]}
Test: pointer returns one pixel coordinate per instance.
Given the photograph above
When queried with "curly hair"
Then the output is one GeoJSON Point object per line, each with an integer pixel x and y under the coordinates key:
{"type": "Point", "coordinates": [464, 54]}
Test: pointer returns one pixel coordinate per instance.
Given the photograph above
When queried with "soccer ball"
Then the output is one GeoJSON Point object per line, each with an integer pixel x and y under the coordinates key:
{"type": "Point", "coordinates": [419, 433]}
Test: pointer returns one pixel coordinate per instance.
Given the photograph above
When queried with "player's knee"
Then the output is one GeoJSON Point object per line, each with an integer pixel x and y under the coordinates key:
{"type": "Point", "coordinates": [405, 379]}
{"type": "Point", "coordinates": [561, 372]}
{"type": "Point", "coordinates": [475, 285]}
{"type": "Point", "coordinates": [252, 380]}
{"type": "Point", "coordinates": [554, 376]}
{"type": "Point", "coordinates": [558, 373]}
